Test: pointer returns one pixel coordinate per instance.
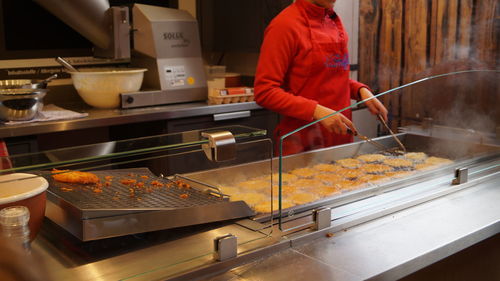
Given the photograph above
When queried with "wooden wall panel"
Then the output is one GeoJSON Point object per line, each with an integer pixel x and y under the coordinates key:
{"type": "Point", "coordinates": [484, 37]}
{"type": "Point", "coordinates": [443, 31]}
{"type": "Point", "coordinates": [464, 29]}
{"type": "Point", "coordinates": [428, 37]}
{"type": "Point", "coordinates": [415, 56]}
{"type": "Point", "coordinates": [390, 52]}
{"type": "Point", "coordinates": [369, 19]}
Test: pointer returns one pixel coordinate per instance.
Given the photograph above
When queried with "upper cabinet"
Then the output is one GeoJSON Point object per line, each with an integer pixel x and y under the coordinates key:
{"type": "Point", "coordinates": [228, 25]}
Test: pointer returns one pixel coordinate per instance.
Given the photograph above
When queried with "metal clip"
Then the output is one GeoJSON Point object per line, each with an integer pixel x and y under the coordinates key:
{"type": "Point", "coordinates": [221, 146]}
{"type": "Point", "coordinates": [322, 218]}
{"type": "Point", "coordinates": [461, 176]}
{"type": "Point", "coordinates": [226, 247]}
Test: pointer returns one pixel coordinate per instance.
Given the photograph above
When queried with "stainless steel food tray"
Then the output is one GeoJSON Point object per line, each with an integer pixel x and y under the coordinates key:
{"type": "Point", "coordinates": [462, 152]}
{"type": "Point", "coordinates": [93, 212]}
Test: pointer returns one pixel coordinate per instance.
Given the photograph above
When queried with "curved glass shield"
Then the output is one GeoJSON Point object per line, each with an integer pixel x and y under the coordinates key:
{"type": "Point", "coordinates": [435, 124]}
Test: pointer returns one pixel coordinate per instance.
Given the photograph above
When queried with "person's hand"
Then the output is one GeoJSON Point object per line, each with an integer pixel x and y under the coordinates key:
{"type": "Point", "coordinates": [337, 123]}
{"type": "Point", "coordinates": [374, 105]}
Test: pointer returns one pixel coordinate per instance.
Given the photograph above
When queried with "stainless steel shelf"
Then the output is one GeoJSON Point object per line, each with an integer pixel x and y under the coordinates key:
{"type": "Point", "coordinates": [112, 117]}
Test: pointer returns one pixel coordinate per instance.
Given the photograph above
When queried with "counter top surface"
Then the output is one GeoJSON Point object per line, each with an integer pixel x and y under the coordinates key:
{"type": "Point", "coordinates": [426, 229]}
{"type": "Point", "coordinates": [112, 117]}
{"type": "Point", "coordinates": [390, 247]}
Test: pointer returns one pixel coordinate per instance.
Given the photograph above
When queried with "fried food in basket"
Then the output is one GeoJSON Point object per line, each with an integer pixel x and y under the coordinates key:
{"type": "Point", "coordinates": [370, 158]}
{"type": "Point", "coordinates": [74, 177]}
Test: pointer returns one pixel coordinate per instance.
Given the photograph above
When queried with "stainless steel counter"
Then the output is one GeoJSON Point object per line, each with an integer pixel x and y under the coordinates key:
{"type": "Point", "coordinates": [387, 248]}
{"type": "Point", "coordinates": [382, 237]}
{"type": "Point", "coordinates": [111, 117]}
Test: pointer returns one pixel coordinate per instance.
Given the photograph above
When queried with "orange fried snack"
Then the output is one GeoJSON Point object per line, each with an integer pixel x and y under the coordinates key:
{"type": "Point", "coordinates": [74, 177]}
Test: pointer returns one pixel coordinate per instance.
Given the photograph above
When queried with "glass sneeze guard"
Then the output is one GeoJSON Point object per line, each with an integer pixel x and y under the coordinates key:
{"type": "Point", "coordinates": [87, 154]}
{"type": "Point", "coordinates": [316, 174]}
{"type": "Point", "coordinates": [162, 185]}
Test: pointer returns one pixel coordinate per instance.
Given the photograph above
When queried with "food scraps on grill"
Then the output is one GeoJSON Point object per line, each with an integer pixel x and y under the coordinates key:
{"type": "Point", "coordinates": [137, 185]}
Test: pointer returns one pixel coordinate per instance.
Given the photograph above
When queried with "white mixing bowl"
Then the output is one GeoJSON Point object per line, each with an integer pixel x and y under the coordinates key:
{"type": "Point", "coordinates": [101, 87]}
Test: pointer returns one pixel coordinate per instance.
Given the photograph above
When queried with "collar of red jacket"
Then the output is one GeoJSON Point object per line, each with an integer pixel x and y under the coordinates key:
{"type": "Point", "coordinates": [315, 11]}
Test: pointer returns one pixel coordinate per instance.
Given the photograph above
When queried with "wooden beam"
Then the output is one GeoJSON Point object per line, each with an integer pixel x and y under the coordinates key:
{"type": "Point", "coordinates": [484, 38]}
{"type": "Point", "coordinates": [369, 17]}
{"type": "Point", "coordinates": [464, 29]}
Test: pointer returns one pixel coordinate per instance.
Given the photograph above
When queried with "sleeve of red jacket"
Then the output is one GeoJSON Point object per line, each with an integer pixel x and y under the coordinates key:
{"type": "Point", "coordinates": [277, 52]}
{"type": "Point", "coordinates": [355, 86]}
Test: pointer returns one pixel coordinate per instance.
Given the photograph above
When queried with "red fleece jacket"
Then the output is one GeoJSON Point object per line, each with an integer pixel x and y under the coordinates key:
{"type": "Point", "coordinates": [289, 79]}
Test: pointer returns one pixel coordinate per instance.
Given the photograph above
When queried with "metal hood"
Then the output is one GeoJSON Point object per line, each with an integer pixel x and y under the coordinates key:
{"type": "Point", "coordinates": [88, 17]}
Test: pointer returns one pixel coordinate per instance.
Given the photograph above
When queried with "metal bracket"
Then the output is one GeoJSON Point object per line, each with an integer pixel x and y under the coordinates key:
{"type": "Point", "coordinates": [226, 247]}
{"type": "Point", "coordinates": [322, 218]}
{"type": "Point", "coordinates": [461, 176]}
{"type": "Point", "coordinates": [221, 146]}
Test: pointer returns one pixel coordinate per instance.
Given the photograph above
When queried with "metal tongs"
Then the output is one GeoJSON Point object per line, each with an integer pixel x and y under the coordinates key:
{"type": "Point", "coordinates": [403, 148]}
{"type": "Point", "coordinates": [369, 140]}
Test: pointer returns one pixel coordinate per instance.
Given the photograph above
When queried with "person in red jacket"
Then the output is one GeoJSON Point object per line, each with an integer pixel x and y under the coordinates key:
{"type": "Point", "coordinates": [303, 74]}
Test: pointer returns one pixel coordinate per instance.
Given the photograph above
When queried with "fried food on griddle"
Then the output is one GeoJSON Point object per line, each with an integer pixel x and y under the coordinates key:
{"type": "Point", "coordinates": [424, 166]}
{"type": "Point", "coordinates": [329, 178]}
{"type": "Point", "coordinates": [325, 191]}
{"type": "Point", "coordinates": [438, 161]}
{"type": "Point", "coordinates": [351, 173]}
{"type": "Point", "coordinates": [229, 190]}
{"type": "Point", "coordinates": [375, 168]}
{"type": "Point", "coordinates": [399, 174]}
{"type": "Point", "coordinates": [398, 162]}
{"type": "Point", "coordinates": [285, 189]}
{"type": "Point", "coordinates": [349, 163]}
{"type": "Point", "coordinates": [74, 177]}
{"type": "Point", "coordinates": [348, 185]}
{"type": "Point", "coordinates": [306, 183]}
{"type": "Point", "coordinates": [329, 168]}
{"type": "Point", "coordinates": [370, 158]}
{"type": "Point", "coordinates": [285, 177]}
{"type": "Point", "coordinates": [302, 198]}
{"type": "Point", "coordinates": [303, 172]}
{"type": "Point", "coordinates": [253, 185]}
{"type": "Point", "coordinates": [432, 162]}
{"type": "Point", "coordinates": [370, 178]}
{"type": "Point", "coordinates": [416, 156]}
{"type": "Point", "coordinates": [266, 206]}
{"type": "Point", "coordinates": [252, 199]}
